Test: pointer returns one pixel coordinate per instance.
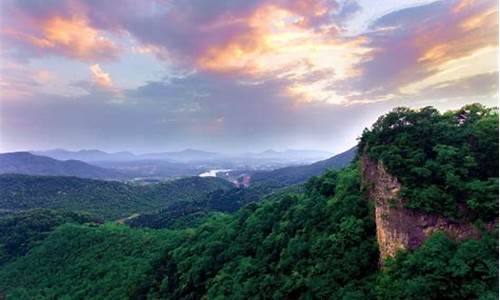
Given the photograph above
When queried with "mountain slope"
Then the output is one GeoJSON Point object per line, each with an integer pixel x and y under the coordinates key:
{"type": "Point", "coordinates": [21, 231]}
{"type": "Point", "coordinates": [187, 212]}
{"type": "Point", "coordinates": [262, 251]}
{"type": "Point", "coordinates": [84, 262]}
{"type": "Point", "coordinates": [300, 174]}
{"type": "Point", "coordinates": [291, 155]}
{"type": "Point", "coordinates": [27, 163]}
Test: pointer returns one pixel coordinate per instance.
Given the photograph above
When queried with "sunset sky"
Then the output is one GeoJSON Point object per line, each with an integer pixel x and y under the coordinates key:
{"type": "Point", "coordinates": [235, 75]}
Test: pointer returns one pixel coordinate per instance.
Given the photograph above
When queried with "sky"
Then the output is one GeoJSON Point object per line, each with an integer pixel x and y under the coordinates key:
{"type": "Point", "coordinates": [233, 76]}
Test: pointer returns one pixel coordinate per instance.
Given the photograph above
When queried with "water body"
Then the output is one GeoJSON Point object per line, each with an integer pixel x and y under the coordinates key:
{"type": "Point", "coordinates": [213, 173]}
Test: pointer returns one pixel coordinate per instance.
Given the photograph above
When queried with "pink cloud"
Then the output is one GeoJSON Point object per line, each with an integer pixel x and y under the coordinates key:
{"type": "Point", "coordinates": [57, 32]}
{"type": "Point", "coordinates": [264, 38]}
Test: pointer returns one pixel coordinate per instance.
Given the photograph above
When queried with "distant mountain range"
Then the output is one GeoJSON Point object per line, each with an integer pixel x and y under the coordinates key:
{"type": "Point", "coordinates": [185, 156]}
{"type": "Point", "coordinates": [188, 155]}
{"type": "Point", "coordinates": [30, 164]}
{"type": "Point", "coordinates": [85, 155]}
{"type": "Point", "coordinates": [125, 165]}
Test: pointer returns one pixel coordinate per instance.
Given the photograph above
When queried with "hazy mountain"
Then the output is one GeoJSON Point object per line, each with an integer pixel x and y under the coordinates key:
{"type": "Point", "coordinates": [152, 168]}
{"type": "Point", "coordinates": [291, 155]}
{"type": "Point", "coordinates": [86, 155]}
{"type": "Point", "coordinates": [187, 155]}
{"type": "Point", "coordinates": [30, 164]}
{"type": "Point", "coordinates": [299, 174]}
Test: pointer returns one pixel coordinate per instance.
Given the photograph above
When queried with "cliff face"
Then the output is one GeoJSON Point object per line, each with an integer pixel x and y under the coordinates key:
{"type": "Point", "coordinates": [399, 228]}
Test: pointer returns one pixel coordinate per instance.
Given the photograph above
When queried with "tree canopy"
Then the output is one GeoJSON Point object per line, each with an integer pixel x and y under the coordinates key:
{"type": "Point", "coordinates": [447, 163]}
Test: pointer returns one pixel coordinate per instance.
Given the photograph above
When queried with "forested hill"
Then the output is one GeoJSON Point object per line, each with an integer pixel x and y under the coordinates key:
{"type": "Point", "coordinates": [104, 199]}
{"type": "Point", "coordinates": [29, 164]}
{"type": "Point", "coordinates": [21, 231]}
{"type": "Point", "coordinates": [316, 245]}
{"type": "Point", "coordinates": [300, 174]}
{"type": "Point", "coordinates": [447, 163]}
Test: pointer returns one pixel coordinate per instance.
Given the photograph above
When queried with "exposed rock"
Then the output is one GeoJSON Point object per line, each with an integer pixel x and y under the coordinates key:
{"type": "Point", "coordinates": [399, 228]}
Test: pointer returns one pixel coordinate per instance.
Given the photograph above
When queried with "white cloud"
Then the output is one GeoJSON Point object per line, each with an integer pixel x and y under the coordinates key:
{"type": "Point", "coordinates": [100, 77]}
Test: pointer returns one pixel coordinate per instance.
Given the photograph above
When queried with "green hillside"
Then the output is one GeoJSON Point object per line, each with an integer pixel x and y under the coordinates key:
{"type": "Point", "coordinates": [443, 269]}
{"type": "Point", "coordinates": [21, 231]}
{"type": "Point", "coordinates": [103, 199]}
{"type": "Point", "coordinates": [316, 245]}
{"type": "Point", "coordinates": [320, 243]}
{"type": "Point", "coordinates": [182, 213]}
{"type": "Point", "coordinates": [84, 262]}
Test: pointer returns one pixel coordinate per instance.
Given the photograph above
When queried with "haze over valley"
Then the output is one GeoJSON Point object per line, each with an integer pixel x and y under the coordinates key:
{"type": "Point", "coordinates": [152, 167]}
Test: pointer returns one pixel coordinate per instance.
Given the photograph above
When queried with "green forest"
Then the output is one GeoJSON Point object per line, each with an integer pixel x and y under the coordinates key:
{"type": "Point", "coordinates": [107, 200]}
{"type": "Point", "coordinates": [311, 241]}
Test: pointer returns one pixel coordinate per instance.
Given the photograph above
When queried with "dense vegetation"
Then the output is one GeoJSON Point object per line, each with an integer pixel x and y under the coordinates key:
{"type": "Point", "coordinates": [20, 232]}
{"type": "Point", "coordinates": [313, 245]}
{"type": "Point", "coordinates": [85, 262]}
{"type": "Point", "coordinates": [443, 269]}
{"type": "Point", "coordinates": [188, 213]}
{"type": "Point", "coordinates": [317, 245]}
{"type": "Point", "coordinates": [447, 163]}
{"type": "Point", "coordinates": [103, 199]}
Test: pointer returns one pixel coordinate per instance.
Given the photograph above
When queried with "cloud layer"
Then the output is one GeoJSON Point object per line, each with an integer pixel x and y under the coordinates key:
{"type": "Point", "coordinates": [277, 73]}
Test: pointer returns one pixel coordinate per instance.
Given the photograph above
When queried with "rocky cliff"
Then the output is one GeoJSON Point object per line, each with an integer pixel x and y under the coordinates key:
{"type": "Point", "coordinates": [399, 228]}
